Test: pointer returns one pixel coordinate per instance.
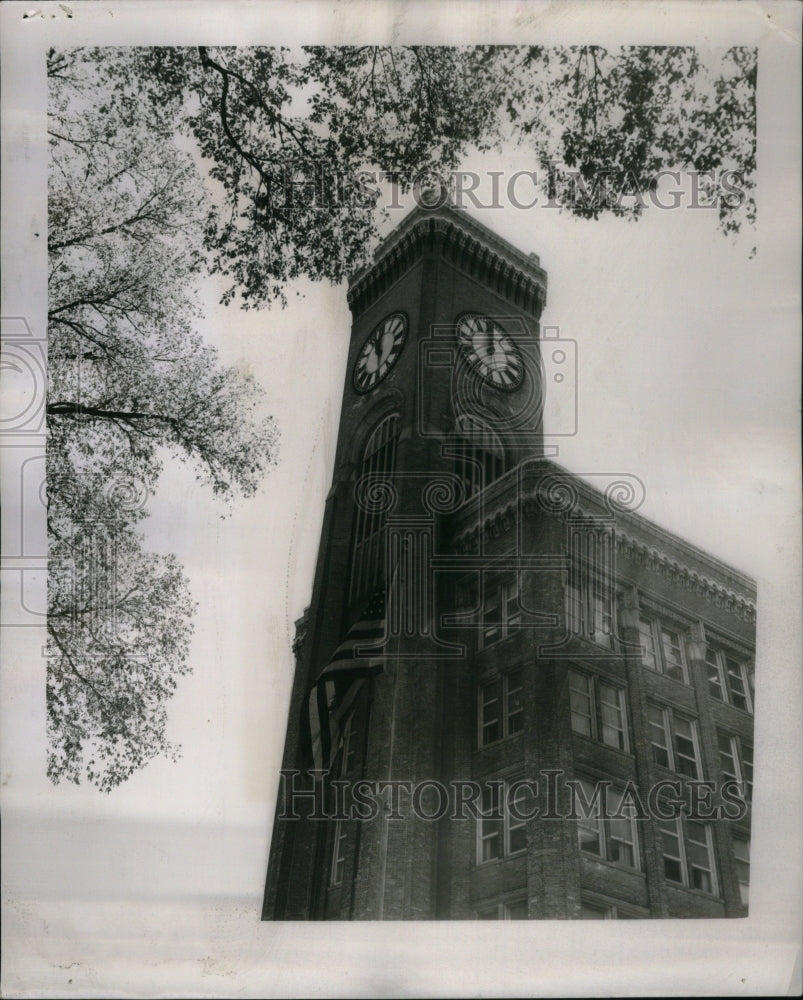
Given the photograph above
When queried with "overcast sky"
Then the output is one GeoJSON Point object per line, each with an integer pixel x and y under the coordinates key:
{"type": "Point", "coordinates": [688, 378]}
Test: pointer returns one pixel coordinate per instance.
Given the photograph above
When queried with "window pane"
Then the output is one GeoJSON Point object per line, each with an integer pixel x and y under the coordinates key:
{"type": "Point", "coordinates": [512, 611]}
{"type": "Point", "coordinates": [727, 759]}
{"type": "Point", "coordinates": [588, 836]}
{"type": "Point", "coordinates": [518, 839]}
{"type": "Point", "coordinates": [670, 841]}
{"type": "Point", "coordinates": [613, 716]}
{"type": "Point", "coordinates": [673, 654]}
{"type": "Point", "coordinates": [590, 912]}
{"type": "Point", "coordinates": [736, 685]}
{"type": "Point", "coordinates": [575, 611]}
{"type": "Point", "coordinates": [517, 910]}
{"type": "Point", "coordinates": [747, 770]}
{"type": "Point", "coordinates": [621, 842]}
{"type": "Point", "coordinates": [714, 668]}
{"type": "Point", "coordinates": [489, 713]}
{"type": "Point", "coordinates": [517, 830]}
{"type": "Point", "coordinates": [741, 852]}
{"type": "Point", "coordinates": [491, 824]}
{"type": "Point", "coordinates": [492, 913]}
{"type": "Point", "coordinates": [699, 856]}
{"type": "Point", "coordinates": [647, 641]}
{"type": "Point", "coordinates": [588, 829]}
{"type": "Point", "coordinates": [490, 621]}
{"type": "Point", "coordinates": [603, 617]}
{"type": "Point", "coordinates": [338, 853]}
{"type": "Point", "coordinates": [686, 757]}
{"type": "Point", "coordinates": [660, 746]}
{"type": "Point", "coordinates": [580, 696]}
{"type": "Point", "coordinates": [491, 839]}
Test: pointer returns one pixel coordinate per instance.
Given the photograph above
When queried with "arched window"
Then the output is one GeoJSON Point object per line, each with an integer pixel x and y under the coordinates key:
{"type": "Point", "coordinates": [479, 455]}
{"type": "Point", "coordinates": [376, 469]}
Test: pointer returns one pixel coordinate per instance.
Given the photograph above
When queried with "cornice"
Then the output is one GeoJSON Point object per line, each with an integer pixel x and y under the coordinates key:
{"type": "Point", "coordinates": [462, 240]}
{"type": "Point", "coordinates": [638, 540]}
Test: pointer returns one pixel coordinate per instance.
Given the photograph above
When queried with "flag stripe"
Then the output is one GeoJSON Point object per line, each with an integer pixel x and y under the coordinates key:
{"type": "Point", "coordinates": [338, 685]}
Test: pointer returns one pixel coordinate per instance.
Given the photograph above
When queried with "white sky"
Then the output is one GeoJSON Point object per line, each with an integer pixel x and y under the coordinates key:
{"type": "Point", "coordinates": [688, 378]}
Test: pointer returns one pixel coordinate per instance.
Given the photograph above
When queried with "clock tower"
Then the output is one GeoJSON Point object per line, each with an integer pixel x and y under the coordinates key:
{"type": "Point", "coordinates": [476, 632]}
{"type": "Point", "coordinates": [442, 396]}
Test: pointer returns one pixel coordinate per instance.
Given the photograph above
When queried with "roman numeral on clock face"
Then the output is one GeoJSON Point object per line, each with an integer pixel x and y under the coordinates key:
{"type": "Point", "coordinates": [490, 351]}
{"type": "Point", "coordinates": [380, 352]}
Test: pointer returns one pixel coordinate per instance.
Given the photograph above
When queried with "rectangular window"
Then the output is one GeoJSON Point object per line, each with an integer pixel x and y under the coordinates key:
{"type": "Point", "coordinates": [685, 746]}
{"type": "Point", "coordinates": [491, 624]}
{"type": "Point", "coordinates": [501, 707]}
{"type": "Point", "coordinates": [349, 748]}
{"type": "Point", "coordinates": [674, 741]}
{"type": "Point", "coordinates": [500, 833]}
{"type": "Point", "coordinates": [728, 679]}
{"type": "Point", "coordinates": [658, 736]}
{"type": "Point", "coordinates": [590, 592]}
{"type": "Point", "coordinates": [581, 697]}
{"type": "Point", "coordinates": [598, 709]}
{"type": "Point", "coordinates": [613, 728]}
{"type": "Point", "coordinates": [602, 613]}
{"type": "Point", "coordinates": [672, 851]}
{"type": "Point", "coordinates": [662, 650]}
{"type": "Point", "coordinates": [699, 855]}
{"type": "Point", "coordinates": [613, 839]}
{"type": "Point", "coordinates": [501, 612]}
{"type": "Point", "coordinates": [517, 828]}
{"type": "Point", "coordinates": [338, 853]}
{"type": "Point", "coordinates": [674, 660]}
{"type": "Point", "coordinates": [688, 854]}
{"type": "Point", "coordinates": [736, 761]}
{"type": "Point", "coordinates": [491, 824]}
{"type": "Point", "coordinates": [490, 713]}
{"type": "Point", "coordinates": [747, 769]}
{"type": "Point", "coordinates": [649, 649]}
{"type": "Point", "coordinates": [737, 684]}
{"type": "Point", "coordinates": [716, 678]}
{"type": "Point", "coordinates": [741, 852]}
{"type": "Point", "coordinates": [728, 757]}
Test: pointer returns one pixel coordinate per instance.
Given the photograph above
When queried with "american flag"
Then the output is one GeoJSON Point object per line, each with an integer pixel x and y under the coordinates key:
{"type": "Point", "coordinates": [339, 683]}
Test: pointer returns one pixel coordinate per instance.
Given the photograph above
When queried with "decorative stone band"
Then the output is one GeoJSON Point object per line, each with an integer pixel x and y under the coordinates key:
{"type": "Point", "coordinates": [680, 575]}
{"type": "Point", "coordinates": [494, 262]}
{"type": "Point", "coordinates": [628, 547]}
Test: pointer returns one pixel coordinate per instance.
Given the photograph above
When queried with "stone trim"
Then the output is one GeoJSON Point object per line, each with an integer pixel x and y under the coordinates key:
{"type": "Point", "coordinates": [480, 253]}
{"type": "Point", "coordinates": [637, 552]}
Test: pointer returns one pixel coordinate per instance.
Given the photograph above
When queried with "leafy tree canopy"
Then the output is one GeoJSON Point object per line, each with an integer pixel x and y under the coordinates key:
{"type": "Point", "coordinates": [263, 165]}
{"type": "Point", "coordinates": [295, 140]}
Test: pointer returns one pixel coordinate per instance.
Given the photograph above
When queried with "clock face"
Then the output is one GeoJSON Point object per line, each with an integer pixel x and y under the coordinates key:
{"type": "Point", "coordinates": [380, 352]}
{"type": "Point", "coordinates": [490, 351]}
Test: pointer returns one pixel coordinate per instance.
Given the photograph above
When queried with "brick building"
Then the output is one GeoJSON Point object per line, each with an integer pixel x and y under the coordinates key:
{"type": "Point", "coordinates": [558, 722]}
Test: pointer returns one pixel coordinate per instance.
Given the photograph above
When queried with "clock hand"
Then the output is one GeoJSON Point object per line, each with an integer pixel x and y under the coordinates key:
{"type": "Point", "coordinates": [489, 344]}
